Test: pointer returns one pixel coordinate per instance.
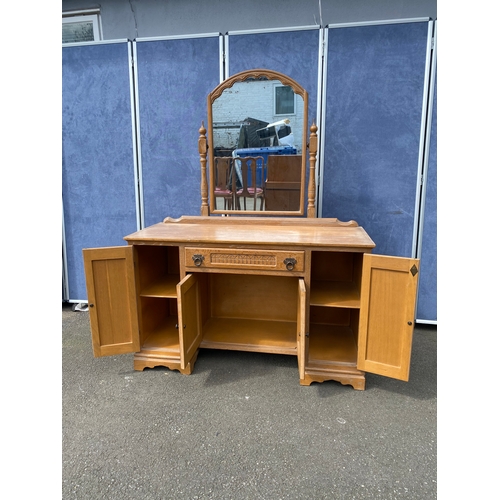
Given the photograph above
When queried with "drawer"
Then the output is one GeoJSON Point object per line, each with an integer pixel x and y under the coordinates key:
{"type": "Point", "coordinates": [259, 260]}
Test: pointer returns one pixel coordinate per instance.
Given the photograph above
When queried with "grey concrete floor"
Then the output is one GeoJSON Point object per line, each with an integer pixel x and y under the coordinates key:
{"type": "Point", "coordinates": [241, 427]}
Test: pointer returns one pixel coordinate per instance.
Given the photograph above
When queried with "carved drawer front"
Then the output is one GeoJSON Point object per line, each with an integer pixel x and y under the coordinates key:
{"type": "Point", "coordinates": [229, 258]}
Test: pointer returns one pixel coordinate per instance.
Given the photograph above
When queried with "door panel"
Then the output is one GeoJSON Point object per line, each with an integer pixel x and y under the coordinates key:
{"type": "Point", "coordinates": [301, 328]}
{"type": "Point", "coordinates": [387, 314]}
{"type": "Point", "coordinates": [189, 307]}
{"type": "Point", "coordinates": [112, 300]}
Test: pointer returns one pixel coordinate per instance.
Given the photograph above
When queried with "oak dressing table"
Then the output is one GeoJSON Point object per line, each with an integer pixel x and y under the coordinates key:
{"type": "Point", "coordinates": [273, 282]}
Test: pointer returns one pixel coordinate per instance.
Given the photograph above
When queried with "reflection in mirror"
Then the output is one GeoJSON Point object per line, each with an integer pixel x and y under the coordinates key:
{"type": "Point", "coordinates": [257, 124]}
{"type": "Point", "coordinates": [257, 114]}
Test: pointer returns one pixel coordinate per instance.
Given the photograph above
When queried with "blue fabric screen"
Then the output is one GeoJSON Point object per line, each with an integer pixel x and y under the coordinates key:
{"type": "Point", "coordinates": [97, 165]}
{"type": "Point", "coordinates": [174, 78]}
{"type": "Point", "coordinates": [427, 283]}
{"type": "Point", "coordinates": [294, 53]}
{"type": "Point", "coordinates": [374, 97]}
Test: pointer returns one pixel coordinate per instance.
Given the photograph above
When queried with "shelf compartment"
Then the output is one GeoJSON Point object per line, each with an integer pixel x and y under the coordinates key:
{"type": "Point", "coordinates": [278, 337]}
{"type": "Point", "coordinates": [332, 355]}
{"type": "Point", "coordinates": [158, 330]}
{"type": "Point", "coordinates": [253, 297]}
{"type": "Point", "coordinates": [158, 271]}
{"type": "Point", "coordinates": [163, 338]}
{"type": "Point", "coordinates": [332, 345]}
{"type": "Point", "coordinates": [335, 294]}
{"type": "Point", "coordinates": [165, 287]}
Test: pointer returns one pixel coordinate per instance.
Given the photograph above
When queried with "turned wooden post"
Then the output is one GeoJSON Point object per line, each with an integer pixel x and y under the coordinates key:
{"type": "Point", "coordinates": [202, 149]}
{"type": "Point", "coordinates": [311, 192]}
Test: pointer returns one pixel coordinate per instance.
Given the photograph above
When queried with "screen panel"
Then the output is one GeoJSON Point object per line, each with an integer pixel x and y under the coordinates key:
{"type": "Point", "coordinates": [174, 78]}
{"type": "Point", "coordinates": [427, 286]}
{"type": "Point", "coordinates": [98, 169]}
{"type": "Point", "coordinates": [294, 53]}
{"type": "Point", "coordinates": [374, 96]}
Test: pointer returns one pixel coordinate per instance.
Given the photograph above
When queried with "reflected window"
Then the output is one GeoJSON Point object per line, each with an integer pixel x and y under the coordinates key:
{"type": "Point", "coordinates": [284, 100]}
{"type": "Point", "coordinates": [81, 27]}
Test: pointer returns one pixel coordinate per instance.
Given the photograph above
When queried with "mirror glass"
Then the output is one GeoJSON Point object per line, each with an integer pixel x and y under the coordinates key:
{"type": "Point", "coordinates": [257, 145]}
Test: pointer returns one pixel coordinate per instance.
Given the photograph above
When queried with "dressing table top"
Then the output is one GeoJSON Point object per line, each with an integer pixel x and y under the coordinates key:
{"type": "Point", "coordinates": [262, 231]}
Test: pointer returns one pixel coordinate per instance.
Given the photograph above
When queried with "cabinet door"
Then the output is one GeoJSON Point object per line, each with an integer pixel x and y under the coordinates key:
{"type": "Point", "coordinates": [301, 328]}
{"type": "Point", "coordinates": [111, 292]}
{"type": "Point", "coordinates": [189, 310]}
{"type": "Point", "coordinates": [387, 314]}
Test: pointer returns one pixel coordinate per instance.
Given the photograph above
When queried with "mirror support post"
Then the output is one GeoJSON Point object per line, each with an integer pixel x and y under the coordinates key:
{"type": "Point", "coordinates": [202, 149]}
{"type": "Point", "coordinates": [313, 150]}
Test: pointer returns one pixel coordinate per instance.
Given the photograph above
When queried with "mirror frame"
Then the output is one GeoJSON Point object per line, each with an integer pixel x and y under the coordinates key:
{"type": "Point", "coordinates": [204, 148]}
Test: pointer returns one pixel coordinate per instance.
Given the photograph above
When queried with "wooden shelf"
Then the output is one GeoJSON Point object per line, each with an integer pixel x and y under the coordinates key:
{"type": "Point", "coordinates": [335, 294]}
{"type": "Point", "coordinates": [332, 344]}
{"type": "Point", "coordinates": [163, 339]}
{"type": "Point", "coordinates": [165, 287]}
{"type": "Point", "coordinates": [279, 337]}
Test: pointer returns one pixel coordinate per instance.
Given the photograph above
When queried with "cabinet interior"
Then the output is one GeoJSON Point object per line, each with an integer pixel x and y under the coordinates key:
{"type": "Point", "coordinates": [334, 308]}
{"type": "Point", "coordinates": [232, 307]}
{"type": "Point", "coordinates": [158, 275]}
{"type": "Point", "coordinates": [241, 305]}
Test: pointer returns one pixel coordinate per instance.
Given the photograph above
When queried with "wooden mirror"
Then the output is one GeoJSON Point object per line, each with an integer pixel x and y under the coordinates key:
{"type": "Point", "coordinates": [257, 147]}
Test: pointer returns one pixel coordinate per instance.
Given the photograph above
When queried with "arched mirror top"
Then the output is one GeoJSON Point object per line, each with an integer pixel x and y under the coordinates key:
{"type": "Point", "coordinates": [257, 144]}
{"type": "Point", "coordinates": [256, 75]}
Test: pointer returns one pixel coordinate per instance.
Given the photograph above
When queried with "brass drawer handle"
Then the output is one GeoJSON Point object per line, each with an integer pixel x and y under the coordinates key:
{"type": "Point", "coordinates": [198, 259]}
{"type": "Point", "coordinates": [290, 263]}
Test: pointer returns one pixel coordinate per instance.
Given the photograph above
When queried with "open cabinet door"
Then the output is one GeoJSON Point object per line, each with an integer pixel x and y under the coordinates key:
{"type": "Point", "coordinates": [112, 297]}
{"type": "Point", "coordinates": [189, 310]}
{"type": "Point", "coordinates": [301, 328]}
{"type": "Point", "coordinates": [387, 314]}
